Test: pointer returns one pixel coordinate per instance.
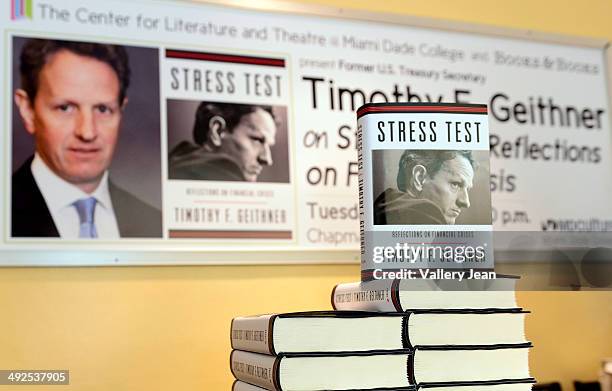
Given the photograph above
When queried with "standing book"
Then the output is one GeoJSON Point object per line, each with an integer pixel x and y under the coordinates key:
{"type": "Point", "coordinates": [424, 190]}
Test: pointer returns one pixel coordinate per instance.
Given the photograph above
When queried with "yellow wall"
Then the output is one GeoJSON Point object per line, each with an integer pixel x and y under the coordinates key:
{"type": "Point", "coordinates": [166, 328]}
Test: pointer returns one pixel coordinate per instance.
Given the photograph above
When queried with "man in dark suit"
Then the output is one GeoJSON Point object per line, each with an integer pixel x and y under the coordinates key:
{"type": "Point", "coordinates": [71, 101]}
{"type": "Point", "coordinates": [232, 143]}
{"type": "Point", "coordinates": [432, 189]}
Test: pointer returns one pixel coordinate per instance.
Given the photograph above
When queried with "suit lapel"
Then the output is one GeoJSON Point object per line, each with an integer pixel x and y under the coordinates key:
{"type": "Point", "coordinates": [30, 216]}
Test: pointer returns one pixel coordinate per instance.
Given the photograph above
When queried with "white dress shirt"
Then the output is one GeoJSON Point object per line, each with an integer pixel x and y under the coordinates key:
{"type": "Point", "coordinates": [60, 196]}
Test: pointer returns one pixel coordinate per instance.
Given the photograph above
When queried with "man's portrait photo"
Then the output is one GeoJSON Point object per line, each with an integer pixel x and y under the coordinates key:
{"type": "Point", "coordinates": [214, 141]}
{"type": "Point", "coordinates": [86, 141]}
{"type": "Point", "coordinates": [431, 187]}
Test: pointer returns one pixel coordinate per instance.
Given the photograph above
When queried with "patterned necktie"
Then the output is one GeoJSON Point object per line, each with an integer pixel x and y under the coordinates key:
{"type": "Point", "coordinates": [86, 208]}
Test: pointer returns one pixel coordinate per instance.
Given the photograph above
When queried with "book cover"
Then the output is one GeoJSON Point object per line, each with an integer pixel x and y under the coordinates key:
{"type": "Point", "coordinates": [424, 191]}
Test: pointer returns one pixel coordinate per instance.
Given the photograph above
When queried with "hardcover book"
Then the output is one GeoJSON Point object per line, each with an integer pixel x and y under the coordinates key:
{"type": "Point", "coordinates": [424, 294]}
{"type": "Point", "coordinates": [424, 189]}
{"type": "Point", "coordinates": [484, 386]}
{"type": "Point", "coordinates": [349, 331]}
{"type": "Point", "coordinates": [401, 369]}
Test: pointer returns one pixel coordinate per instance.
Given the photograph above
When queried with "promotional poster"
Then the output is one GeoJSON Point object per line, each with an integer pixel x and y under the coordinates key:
{"type": "Point", "coordinates": [237, 127]}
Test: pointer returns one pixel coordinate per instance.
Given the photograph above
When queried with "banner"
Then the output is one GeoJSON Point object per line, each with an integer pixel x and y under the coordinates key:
{"type": "Point", "coordinates": [199, 129]}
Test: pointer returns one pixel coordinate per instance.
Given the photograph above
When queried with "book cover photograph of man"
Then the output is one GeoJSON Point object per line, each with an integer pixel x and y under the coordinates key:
{"type": "Point", "coordinates": [78, 139]}
{"type": "Point", "coordinates": [227, 142]}
{"type": "Point", "coordinates": [431, 187]}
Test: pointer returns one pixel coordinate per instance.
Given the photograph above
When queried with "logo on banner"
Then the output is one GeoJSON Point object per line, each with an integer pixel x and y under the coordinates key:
{"type": "Point", "coordinates": [21, 9]}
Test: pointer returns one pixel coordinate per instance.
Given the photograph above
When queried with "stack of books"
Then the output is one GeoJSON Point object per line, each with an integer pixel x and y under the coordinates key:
{"type": "Point", "coordinates": [445, 330]}
{"type": "Point", "coordinates": [409, 339]}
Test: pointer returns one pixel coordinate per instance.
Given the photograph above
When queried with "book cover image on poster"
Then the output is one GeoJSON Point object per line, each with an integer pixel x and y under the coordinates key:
{"type": "Point", "coordinates": [228, 139]}
{"type": "Point", "coordinates": [221, 141]}
{"type": "Point", "coordinates": [425, 199]}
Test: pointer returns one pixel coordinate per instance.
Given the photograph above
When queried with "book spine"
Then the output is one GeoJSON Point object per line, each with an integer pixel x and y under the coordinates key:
{"type": "Point", "coordinates": [361, 190]}
{"type": "Point", "coordinates": [379, 295]}
{"type": "Point", "coordinates": [256, 369]}
{"type": "Point", "coordinates": [365, 130]}
{"type": "Point", "coordinates": [254, 334]}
